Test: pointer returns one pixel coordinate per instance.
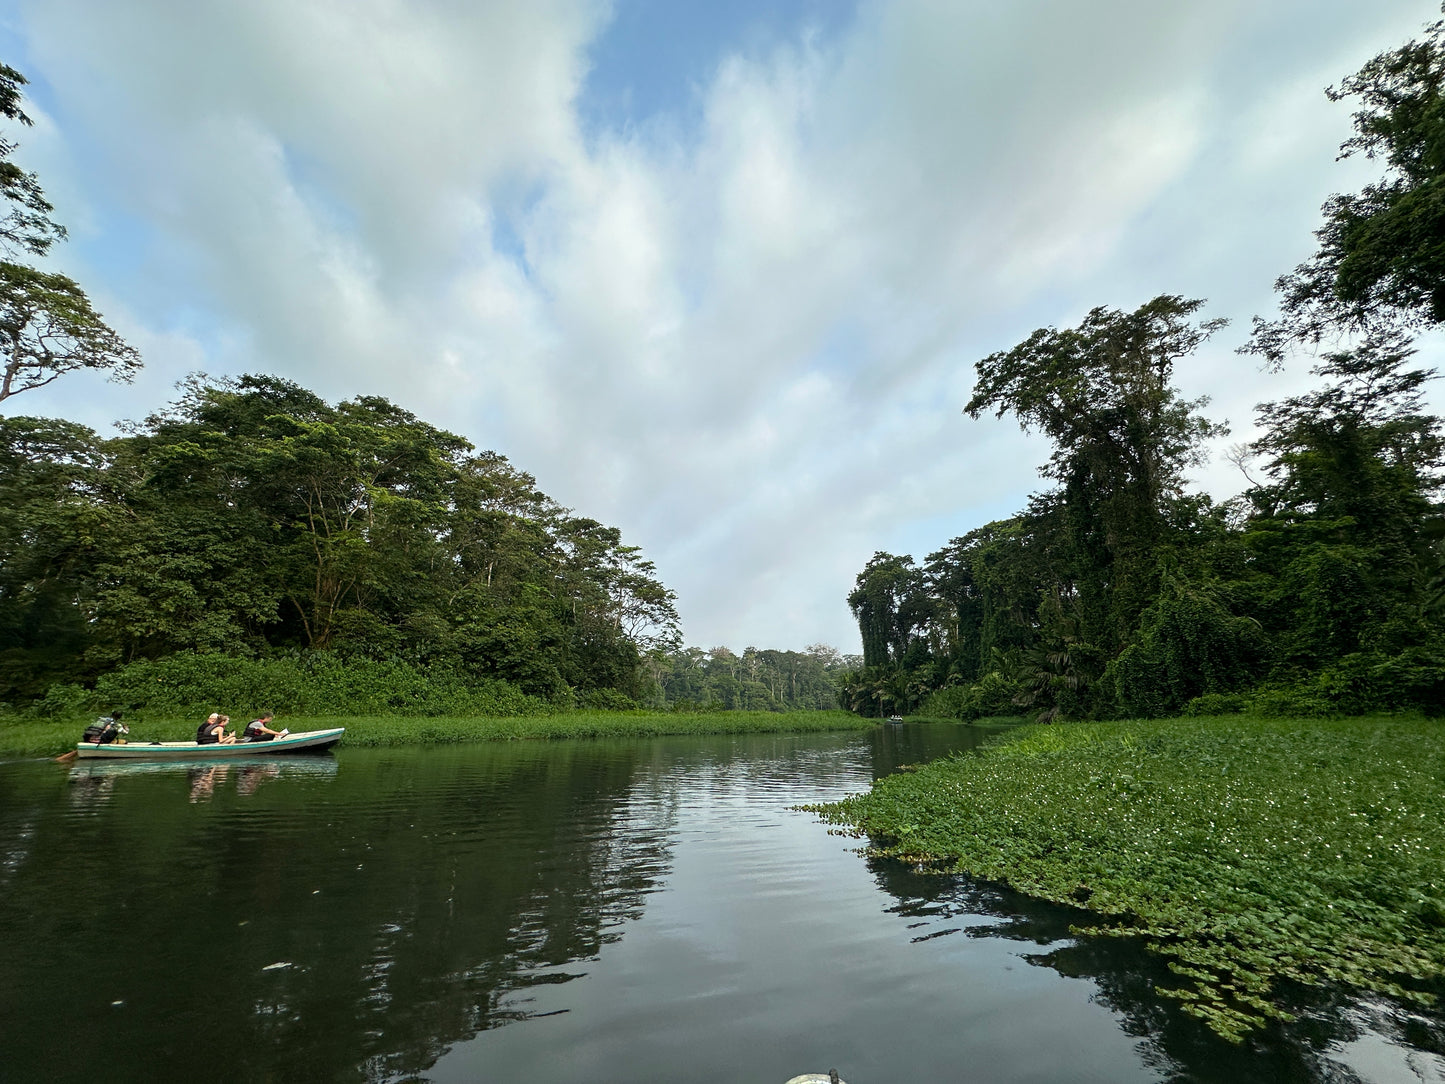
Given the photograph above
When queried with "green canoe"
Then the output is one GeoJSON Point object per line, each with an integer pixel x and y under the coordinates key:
{"type": "Point", "coordinates": [308, 741]}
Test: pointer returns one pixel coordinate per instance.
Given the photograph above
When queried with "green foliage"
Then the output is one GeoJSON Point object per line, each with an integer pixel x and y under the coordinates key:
{"type": "Point", "coordinates": [1189, 646]}
{"type": "Point", "coordinates": [757, 680]}
{"type": "Point", "coordinates": [47, 325]}
{"type": "Point", "coordinates": [1211, 704]}
{"type": "Point", "coordinates": [252, 518]}
{"type": "Point", "coordinates": [605, 700]}
{"type": "Point", "coordinates": [314, 683]}
{"type": "Point", "coordinates": [1412, 679]}
{"type": "Point", "coordinates": [991, 696]}
{"type": "Point", "coordinates": [1248, 853]}
{"type": "Point", "coordinates": [1379, 261]}
{"type": "Point", "coordinates": [890, 608]}
{"type": "Point", "coordinates": [1123, 435]}
{"type": "Point", "coordinates": [65, 702]}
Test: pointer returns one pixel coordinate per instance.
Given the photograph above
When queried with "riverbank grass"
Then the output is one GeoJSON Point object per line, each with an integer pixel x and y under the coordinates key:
{"type": "Point", "coordinates": [1246, 851]}
{"type": "Point", "coordinates": [34, 738]}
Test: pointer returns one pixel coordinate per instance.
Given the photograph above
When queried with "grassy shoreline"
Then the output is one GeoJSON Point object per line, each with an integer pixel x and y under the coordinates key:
{"type": "Point", "coordinates": [31, 738]}
{"type": "Point", "coordinates": [1245, 851]}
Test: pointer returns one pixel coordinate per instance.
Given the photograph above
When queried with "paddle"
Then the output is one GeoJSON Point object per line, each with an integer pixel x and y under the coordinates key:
{"type": "Point", "coordinates": [66, 758]}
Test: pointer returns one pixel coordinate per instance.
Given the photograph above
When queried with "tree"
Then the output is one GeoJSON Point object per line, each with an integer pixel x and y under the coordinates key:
{"type": "Point", "coordinates": [47, 324]}
{"type": "Point", "coordinates": [48, 329]}
{"type": "Point", "coordinates": [891, 606]}
{"type": "Point", "coordinates": [27, 225]}
{"type": "Point", "coordinates": [252, 517]}
{"type": "Point", "coordinates": [51, 488]}
{"type": "Point", "coordinates": [1122, 436]}
{"type": "Point", "coordinates": [1338, 530]}
{"type": "Point", "coordinates": [1381, 258]}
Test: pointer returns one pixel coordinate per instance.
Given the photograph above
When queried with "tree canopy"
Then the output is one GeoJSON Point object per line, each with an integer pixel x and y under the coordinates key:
{"type": "Point", "coordinates": [252, 517]}
{"type": "Point", "coordinates": [47, 325]}
{"type": "Point", "coordinates": [1381, 257]}
{"type": "Point", "coordinates": [1116, 591]}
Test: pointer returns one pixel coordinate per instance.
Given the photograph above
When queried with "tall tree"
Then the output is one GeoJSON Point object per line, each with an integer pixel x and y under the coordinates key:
{"type": "Point", "coordinates": [1354, 467]}
{"type": "Point", "coordinates": [47, 325]}
{"type": "Point", "coordinates": [1381, 257]}
{"type": "Point", "coordinates": [1103, 393]}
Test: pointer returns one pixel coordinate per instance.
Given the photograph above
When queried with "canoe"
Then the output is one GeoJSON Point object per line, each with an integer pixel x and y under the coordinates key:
{"type": "Point", "coordinates": [307, 741]}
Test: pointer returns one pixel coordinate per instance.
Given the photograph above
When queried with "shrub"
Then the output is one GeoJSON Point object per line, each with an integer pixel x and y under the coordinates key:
{"type": "Point", "coordinates": [606, 700]}
{"type": "Point", "coordinates": [1215, 704]}
{"type": "Point", "coordinates": [1189, 646]}
{"type": "Point", "coordinates": [1360, 683]}
{"type": "Point", "coordinates": [1276, 701]}
{"type": "Point", "coordinates": [64, 702]}
{"type": "Point", "coordinates": [307, 684]}
{"type": "Point", "coordinates": [991, 695]}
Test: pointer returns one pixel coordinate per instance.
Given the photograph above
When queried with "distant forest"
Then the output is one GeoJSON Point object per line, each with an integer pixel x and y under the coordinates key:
{"type": "Point", "coordinates": [1117, 592]}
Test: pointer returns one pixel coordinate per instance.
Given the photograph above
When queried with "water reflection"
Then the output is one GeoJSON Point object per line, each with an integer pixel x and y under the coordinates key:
{"type": "Point", "coordinates": [1336, 1039]}
{"type": "Point", "coordinates": [344, 924]}
{"type": "Point", "coordinates": [377, 916]}
{"type": "Point", "coordinates": [93, 782]}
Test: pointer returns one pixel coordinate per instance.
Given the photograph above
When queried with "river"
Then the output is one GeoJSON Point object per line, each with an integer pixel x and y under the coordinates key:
{"type": "Point", "coordinates": [652, 910]}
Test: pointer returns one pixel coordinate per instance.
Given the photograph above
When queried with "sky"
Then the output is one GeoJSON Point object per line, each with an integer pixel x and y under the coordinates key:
{"type": "Point", "coordinates": [715, 274]}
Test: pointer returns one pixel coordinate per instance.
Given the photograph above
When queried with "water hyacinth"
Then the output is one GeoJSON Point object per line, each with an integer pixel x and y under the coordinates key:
{"type": "Point", "coordinates": [1245, 851]}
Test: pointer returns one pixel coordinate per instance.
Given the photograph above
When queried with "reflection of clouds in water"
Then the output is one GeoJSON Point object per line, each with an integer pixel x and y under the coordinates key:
{"type": "Point", "coordinates": [1337, 1037]}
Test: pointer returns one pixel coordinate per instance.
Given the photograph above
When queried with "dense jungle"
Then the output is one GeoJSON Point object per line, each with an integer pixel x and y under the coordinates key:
{"type": "Point", "coordinates": [1120, 592]}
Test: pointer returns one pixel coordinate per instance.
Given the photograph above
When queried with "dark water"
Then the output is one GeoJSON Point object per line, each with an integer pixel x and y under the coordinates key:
{"type": "Point", "coordinates": [601, 911]}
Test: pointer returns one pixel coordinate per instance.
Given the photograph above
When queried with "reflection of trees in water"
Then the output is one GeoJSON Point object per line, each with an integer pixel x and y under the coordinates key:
{"type": "Point", "coordinates": [895, 746]}
{"type": "Point", "coordinates": [1180, 1047]}
{"type": "Point", "coordinates": [413, 902]}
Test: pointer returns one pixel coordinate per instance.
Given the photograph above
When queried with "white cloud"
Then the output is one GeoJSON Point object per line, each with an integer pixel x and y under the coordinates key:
{"type": "Point", "coordinates": [746, 343]}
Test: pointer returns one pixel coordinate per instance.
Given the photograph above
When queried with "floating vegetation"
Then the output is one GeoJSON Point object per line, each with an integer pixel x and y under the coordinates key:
{"type": "Point", "coordinates": [1245, 851]}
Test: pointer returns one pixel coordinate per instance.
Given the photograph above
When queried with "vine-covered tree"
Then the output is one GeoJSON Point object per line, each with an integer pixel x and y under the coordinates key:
{"type": "Point", "coordinates": [1103, 392]}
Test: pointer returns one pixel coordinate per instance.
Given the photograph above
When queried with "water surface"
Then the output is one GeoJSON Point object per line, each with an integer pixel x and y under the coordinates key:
{"type": "Point", "coordinates": [568, 911]}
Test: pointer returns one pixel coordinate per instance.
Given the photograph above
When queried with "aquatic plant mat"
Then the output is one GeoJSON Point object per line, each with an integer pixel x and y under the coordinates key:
{"type": "Point", "coordinates": [1245, 851]}
{"type": "Point", "coordinates": [21, 738]}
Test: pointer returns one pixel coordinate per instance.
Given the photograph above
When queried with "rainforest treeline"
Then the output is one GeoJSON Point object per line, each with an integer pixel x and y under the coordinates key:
{"type": "Point", "coordinates": [255, 539]}
{"type": "Point", "coordinates": [1118, 592]}
{"type": "Point", "coordinates": [252, 517]}
{"type": "Point", "coordinates": [255, 545]}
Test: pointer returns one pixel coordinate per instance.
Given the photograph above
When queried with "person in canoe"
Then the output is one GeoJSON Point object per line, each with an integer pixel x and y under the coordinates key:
{"type": "Point", "coordinates": [257, 730]}
{"type": "Point", "coordinates": [213, 731]}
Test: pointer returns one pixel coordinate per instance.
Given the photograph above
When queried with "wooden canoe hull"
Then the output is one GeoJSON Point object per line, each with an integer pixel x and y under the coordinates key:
{"type": "Point", "coordinates": [308, 741]}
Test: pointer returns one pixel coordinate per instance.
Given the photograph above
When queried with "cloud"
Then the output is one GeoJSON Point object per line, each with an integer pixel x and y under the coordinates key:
{"type": "Point", "coordinates": [743, 332]}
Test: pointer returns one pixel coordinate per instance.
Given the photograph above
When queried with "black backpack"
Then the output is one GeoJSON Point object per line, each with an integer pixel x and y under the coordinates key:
{"type": "Point", "coordinates": [103, 732]}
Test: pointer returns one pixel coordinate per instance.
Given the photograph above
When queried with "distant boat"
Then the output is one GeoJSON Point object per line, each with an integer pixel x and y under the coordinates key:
{"type": "Point", "coordinates": [895, 718]}
{"type": "Point", "coordinates": [307, 741]}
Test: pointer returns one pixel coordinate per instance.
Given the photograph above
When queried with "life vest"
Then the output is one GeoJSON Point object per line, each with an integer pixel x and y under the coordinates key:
{"type": "Point", "coordinates": [253, 732]}
{"type": "Point", "coordinates": [206, 733]}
